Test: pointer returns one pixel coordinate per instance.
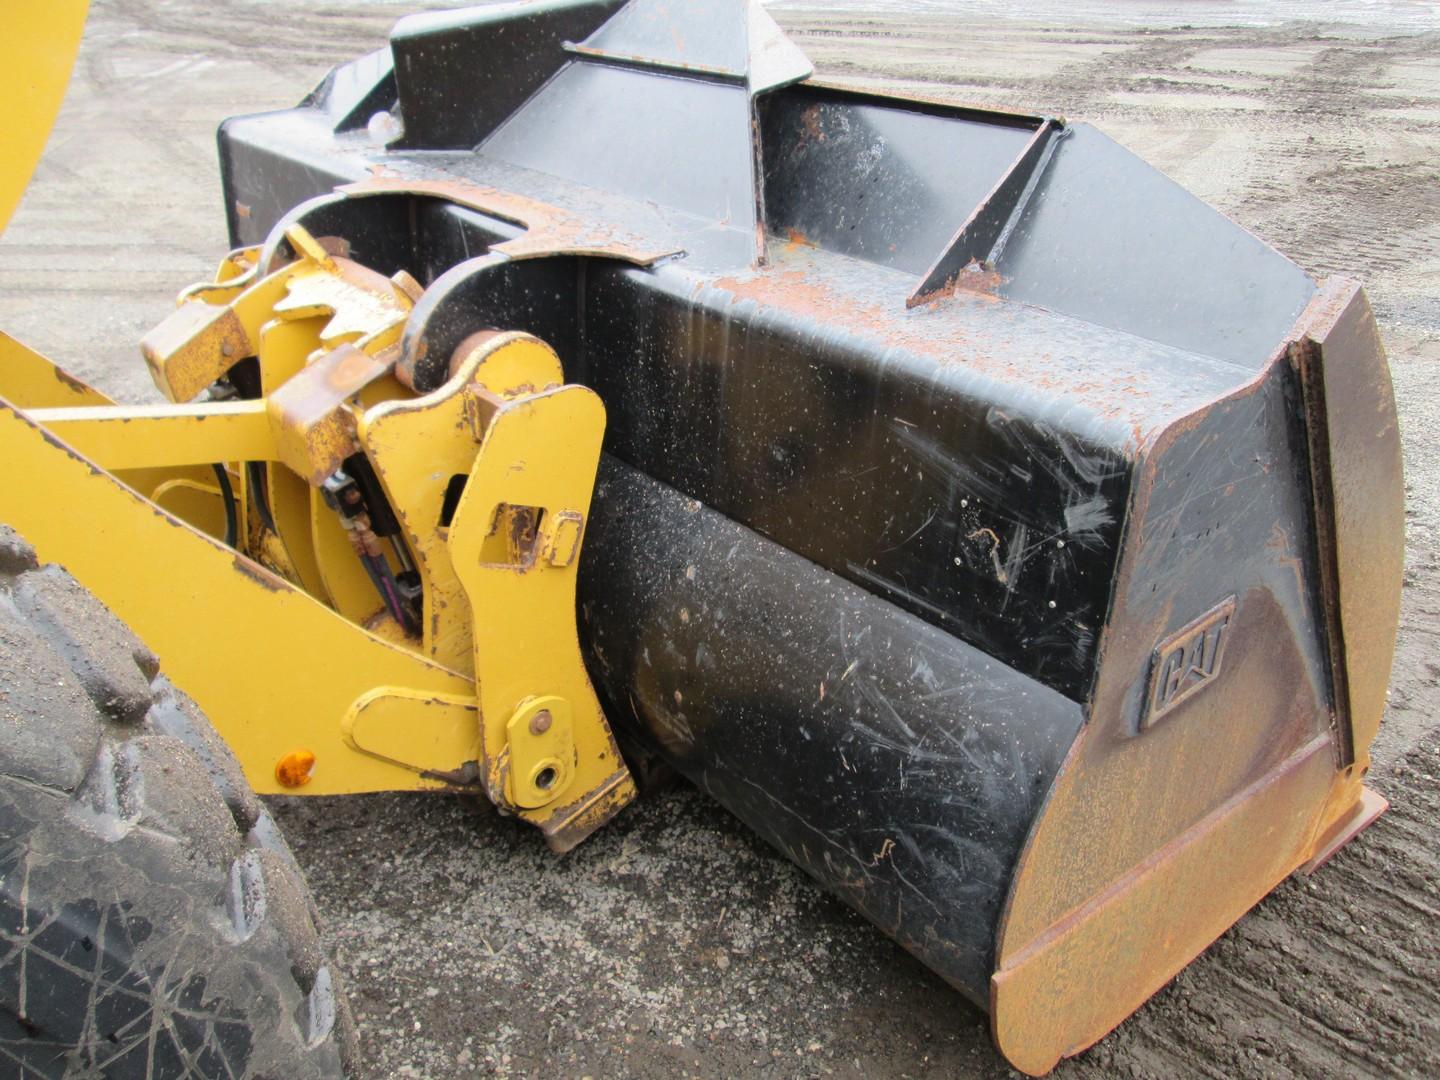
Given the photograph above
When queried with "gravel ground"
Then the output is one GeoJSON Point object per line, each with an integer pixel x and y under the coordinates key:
{"type": "Point", "coordinates": [674, 943]}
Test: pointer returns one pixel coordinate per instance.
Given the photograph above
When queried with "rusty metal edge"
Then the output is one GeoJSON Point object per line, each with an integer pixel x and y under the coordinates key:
{"type": "Point", "coordinates": [1337, 479]}
{"type": "Point", "coordinates": [550, 230]}
{"type": "Point", "coordinates": [1305, 356]}
{"type": "Point", "coordinates": [1363, 813]}
{"type": "Point", "coordinates": [1252, 823]}
{"type": "Point", "coordinates": [598, 807]}
{"type": "Point", "coordinates": [1326, 832]}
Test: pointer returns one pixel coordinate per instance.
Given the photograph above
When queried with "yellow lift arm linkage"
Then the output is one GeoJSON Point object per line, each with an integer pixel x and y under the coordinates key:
{"type": "Point", "coordinates": [332, 658]}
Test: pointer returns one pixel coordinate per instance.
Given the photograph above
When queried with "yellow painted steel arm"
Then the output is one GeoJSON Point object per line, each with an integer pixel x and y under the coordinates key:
{"type": "Point", "coordinates": [38, 43]}
{"type": "Point", "coordinates": [515, 544]}
{"type": "Point", "coordinates": [30, 381]}
{"type": "Point", "coordinates": [147, 436]}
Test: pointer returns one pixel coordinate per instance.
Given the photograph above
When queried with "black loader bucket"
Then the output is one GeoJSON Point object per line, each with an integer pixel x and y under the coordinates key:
{"type": "Point", "coordinates": [1010, 539]}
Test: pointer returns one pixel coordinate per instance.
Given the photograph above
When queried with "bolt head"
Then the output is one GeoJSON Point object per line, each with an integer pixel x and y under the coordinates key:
{"type": "Point", "coordinates": [540, 722]}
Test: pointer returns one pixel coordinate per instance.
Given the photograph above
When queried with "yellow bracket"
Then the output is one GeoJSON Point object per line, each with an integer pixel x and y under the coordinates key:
{"type": "Point", "coordinates": [436, 735]}
{"type": "Point", "coordinates": [304, 672]}
{"type": "Point", "coordinates": [215, 326]}
{"type": "Point", "coordinates": [500, 574]}
{"type": "Point", "coordinates": [275, 669]}
{"type": "Point", "coordinates": [540, 749]}
{"type": "Point", "coordinates": [423, 448]}
{"type": "Point", "coordinates": [514, 545]}
{"type": "Point", "coordinates": [236, 273]}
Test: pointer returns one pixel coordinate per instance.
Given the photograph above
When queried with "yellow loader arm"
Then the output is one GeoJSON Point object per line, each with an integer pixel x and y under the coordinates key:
{"type": "Point", "coordinates": [37, 51]}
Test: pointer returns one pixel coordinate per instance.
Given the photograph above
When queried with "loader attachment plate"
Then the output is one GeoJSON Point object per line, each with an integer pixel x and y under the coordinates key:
{"type": "Point", "coordinates": [325, 693]}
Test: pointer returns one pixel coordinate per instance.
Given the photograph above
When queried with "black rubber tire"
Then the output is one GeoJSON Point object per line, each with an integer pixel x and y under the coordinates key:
{"type": "Point", "coordinates": [153, 922]}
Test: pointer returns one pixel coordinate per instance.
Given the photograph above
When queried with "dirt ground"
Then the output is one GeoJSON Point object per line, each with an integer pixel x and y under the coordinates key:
{"type": "Point", "coordinates": [673, 943]}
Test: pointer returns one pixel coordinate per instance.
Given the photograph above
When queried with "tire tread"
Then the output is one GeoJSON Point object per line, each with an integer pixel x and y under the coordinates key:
{"type": "Point", "coordinates": [104, 763]}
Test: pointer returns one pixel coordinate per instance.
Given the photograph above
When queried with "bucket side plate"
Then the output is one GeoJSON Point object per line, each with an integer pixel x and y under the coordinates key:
{"type": "Point", "coordinates": [1215, 759]}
